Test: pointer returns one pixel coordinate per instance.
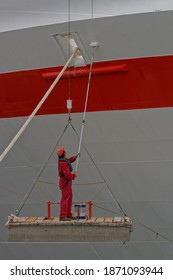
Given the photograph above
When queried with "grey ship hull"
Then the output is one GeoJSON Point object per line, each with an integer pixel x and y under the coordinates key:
{"type": "Point", "coordinates": [132, 148]}
{"type": "Point", "coordinates": [138, 171]}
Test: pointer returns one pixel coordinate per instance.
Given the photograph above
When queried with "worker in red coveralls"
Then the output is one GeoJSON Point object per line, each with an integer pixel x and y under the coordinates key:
{"type": "Point", "coordinates": [65, 183]}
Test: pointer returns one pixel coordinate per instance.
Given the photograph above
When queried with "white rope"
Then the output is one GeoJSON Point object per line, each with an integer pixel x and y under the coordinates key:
{"type": "Point", "coordinates": [85, 108]}
{"type": "Point", "coordinates": [16, 137]}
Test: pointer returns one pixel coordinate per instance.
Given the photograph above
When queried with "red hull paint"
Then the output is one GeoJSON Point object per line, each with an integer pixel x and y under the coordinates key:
{"type": "Point", "coordinates": [146, 84]}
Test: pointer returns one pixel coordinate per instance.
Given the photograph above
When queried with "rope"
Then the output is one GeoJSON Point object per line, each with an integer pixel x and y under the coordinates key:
{"type": "Point", "coordinates": [154, 231]}
{"type": "Point", "coordinates": [85, 107]}
{"type": "Point", "coordinates": [98, 193]}
{"type": "Point", "coordinates": [81, 184]}
{"type": "Point", "coordinates": [22, 129]}
{"type": "Point", "coordinates": [20, 194]}
{"type": "Point", "coordinates": [104, 209]}
{"type": "Point", "coordinates": [40, 173]}
{"type": "Point", "coordinates": [69, 28]}
{"type": "Point", "coordinates": [142, 225]}
{"type": "Point", "coordinates": [109, 189]}
{"type": "Point", "coordinates": [92, 8]}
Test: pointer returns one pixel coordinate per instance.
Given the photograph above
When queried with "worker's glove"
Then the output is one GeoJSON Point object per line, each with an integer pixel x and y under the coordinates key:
{"type": "Point", "coordinates": [78, 155]}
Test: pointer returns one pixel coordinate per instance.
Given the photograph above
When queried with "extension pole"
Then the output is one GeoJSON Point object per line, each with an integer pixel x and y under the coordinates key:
{"type": "Point", "coordinates": [94, 45]}
{"type": "Point", "coordinates": [16, 137]}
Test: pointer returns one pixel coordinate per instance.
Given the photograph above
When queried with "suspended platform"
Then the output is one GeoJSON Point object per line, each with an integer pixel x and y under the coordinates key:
{"type": "Point", "coordinates": [95, 229]}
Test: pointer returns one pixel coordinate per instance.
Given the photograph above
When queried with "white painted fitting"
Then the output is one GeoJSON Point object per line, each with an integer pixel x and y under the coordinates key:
{"type": "Point", "coordinates": [94, 45]}
{"type": "Point", "coordinates": [69, 104]}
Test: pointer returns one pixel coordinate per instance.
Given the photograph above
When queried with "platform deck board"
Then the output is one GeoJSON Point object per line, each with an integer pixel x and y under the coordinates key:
{"type": "Point", "coordinates": [30, 220]}
{"type": "Point", "coordinates": [108, 219]}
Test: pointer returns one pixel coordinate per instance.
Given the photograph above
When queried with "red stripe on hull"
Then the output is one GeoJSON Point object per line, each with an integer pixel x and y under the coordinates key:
{"type": "Point", "coordinates": [146, 84]}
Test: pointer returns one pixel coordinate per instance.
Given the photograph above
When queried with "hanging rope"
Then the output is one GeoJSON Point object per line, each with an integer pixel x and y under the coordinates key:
{"type": "Point", "coordinates": [82, 184]}
{"type": "Point", "coordinates": [104, 181]}
{"type": "Point", "coordinates": [22, 129]}
{"type": "Point", "coordinates": [40, 173]}
{"type": "Point", "coordinates": [42, 170]}
{"type": "Point", "coordinates": [86, 102]}
{"type": "Point", "coordinates": [105, 209]}
{"type": "Point", "coordinates": [20, 194]}
{"type": "Point", "coordinates": [154, 231]}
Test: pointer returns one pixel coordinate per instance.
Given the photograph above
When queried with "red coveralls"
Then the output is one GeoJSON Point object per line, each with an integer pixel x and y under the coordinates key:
{"type": "Point", "coordinates": [65, 185]}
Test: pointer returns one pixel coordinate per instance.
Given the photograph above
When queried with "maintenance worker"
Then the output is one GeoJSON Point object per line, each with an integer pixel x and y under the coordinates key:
{"type": "Point", "coordinates": [65, 183]}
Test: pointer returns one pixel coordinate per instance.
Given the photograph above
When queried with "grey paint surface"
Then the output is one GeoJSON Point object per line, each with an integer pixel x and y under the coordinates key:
{"type": "Point", "coordinates": [132, 149]}
{"type": "Point", "coordinates": [119, 37]}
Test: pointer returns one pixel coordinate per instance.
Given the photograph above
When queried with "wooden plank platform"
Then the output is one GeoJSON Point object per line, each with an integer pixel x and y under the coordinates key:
{"type": "Point", "coordinates": [96, 229]}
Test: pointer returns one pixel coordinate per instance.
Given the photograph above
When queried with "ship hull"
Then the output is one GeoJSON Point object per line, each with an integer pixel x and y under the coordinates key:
{"type": "Point", "coordinates": [126, 157]}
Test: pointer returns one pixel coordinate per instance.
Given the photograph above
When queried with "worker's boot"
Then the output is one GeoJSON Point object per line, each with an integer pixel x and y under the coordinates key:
{"type": "Point", "coordinates": [65, 219]}
{"type": "Point", "coordinates": [73, 218]}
